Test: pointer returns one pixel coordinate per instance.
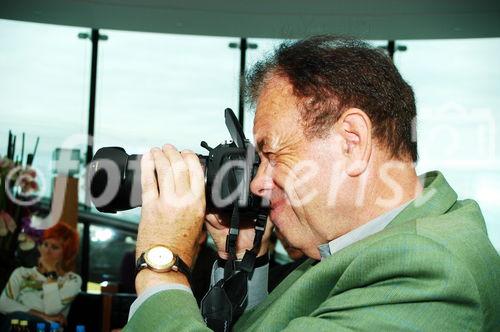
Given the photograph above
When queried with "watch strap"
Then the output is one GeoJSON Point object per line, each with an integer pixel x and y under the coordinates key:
{"type": "Point", "coordinates": [182, 267]}
{"type": "Point", "coordinates": [179, 266]}
{"type": "Point", "coordinates": [140, 263]}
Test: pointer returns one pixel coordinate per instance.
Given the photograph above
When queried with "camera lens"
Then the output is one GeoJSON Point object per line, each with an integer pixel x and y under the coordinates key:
{"type": "Point", "coordinates": [114, 180]}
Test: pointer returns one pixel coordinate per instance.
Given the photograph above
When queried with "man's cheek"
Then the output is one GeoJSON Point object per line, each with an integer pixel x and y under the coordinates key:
{"type": "Point", "coordinates": [299, 182]}
{"type": "Point", "coordinates": [336, 180]}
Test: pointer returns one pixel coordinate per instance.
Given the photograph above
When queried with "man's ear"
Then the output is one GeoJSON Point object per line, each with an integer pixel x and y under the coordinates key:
{"type": "Point", "coordinates": [356, 130]}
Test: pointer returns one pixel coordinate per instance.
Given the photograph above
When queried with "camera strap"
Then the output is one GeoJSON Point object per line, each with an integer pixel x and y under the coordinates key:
{"type": "Point", "coordinates": [231, 239]}
{"type": "Point", "coordinates": [226, 300]}
{"type": "Point", "coordinates": [248, 262]}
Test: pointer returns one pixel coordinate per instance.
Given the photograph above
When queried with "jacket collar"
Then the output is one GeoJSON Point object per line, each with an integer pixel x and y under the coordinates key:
{"type": "Point", "coordinates": [436, 198]}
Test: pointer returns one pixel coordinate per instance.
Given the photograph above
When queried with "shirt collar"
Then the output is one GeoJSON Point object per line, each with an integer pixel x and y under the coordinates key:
{"type": "Point", "coordinates": [358, 234]}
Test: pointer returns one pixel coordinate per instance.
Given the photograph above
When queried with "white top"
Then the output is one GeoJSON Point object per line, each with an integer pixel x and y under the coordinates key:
{"type": "Point", "coordinates": [28, 289]}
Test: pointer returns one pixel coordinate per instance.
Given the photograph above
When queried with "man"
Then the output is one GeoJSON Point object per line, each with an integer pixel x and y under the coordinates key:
{"type": "Point", "coordinates": [388, 250]}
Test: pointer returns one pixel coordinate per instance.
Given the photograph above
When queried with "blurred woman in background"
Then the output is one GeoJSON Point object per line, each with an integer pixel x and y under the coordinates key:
{"type": "Point", "coordinates": [44, 293]}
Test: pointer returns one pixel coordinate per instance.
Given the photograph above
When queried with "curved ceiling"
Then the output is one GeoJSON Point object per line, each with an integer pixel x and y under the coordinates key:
{"type": "Point", "coordinates": [383, 19]}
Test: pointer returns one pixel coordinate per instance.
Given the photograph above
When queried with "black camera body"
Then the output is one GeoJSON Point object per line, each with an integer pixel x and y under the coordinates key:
{"type": "Point", "coordinates": [114, 177]}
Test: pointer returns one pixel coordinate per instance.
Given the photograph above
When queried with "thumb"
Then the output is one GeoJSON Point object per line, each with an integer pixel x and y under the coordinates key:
{"type": "Point", "coordinates": [269, 229]}
{"type": "Point", "coordinates": [214, 221]}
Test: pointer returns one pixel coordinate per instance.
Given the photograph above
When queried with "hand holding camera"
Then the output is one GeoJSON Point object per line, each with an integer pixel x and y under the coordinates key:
{"type": "Point", "coordinates": [218, 229]}
{"type": "Point", "coordinates": [173, 201]}
{"type": "Point", "coordinates": [174, 191]}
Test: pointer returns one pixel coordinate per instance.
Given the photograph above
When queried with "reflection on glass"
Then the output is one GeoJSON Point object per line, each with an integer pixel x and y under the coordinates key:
{"type": "Point", "coordinates": [456, 84]}
{"type": "Point", "coordinates": [160, 88]}
{"type": "Point", "coordinates": [108, 248]}
{"type": "Point", "coordinates": [265, 47]}
{"type": "Point", "coordinates": [43, 87]}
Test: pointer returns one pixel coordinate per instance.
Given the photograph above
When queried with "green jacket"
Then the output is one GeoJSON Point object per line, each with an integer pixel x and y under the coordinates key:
{"type": "Point", "coordinates": [431, 269]}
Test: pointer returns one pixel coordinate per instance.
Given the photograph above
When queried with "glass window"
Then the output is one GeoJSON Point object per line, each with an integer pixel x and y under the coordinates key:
{"type": "Point", "coordinates": [161, 88]}
{"type": "Point", "coordinates": [112, 253]}
{"type": "Point", "coordinates": [264, 47]}
{"type": "Point", "coordinates": [44, 86]}
{"type": "Point", "coordinates": [456, 84]}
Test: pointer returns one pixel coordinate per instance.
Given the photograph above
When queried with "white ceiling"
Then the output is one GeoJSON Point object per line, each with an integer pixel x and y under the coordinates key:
{"type": "Point", "coordinates": [383, 19]}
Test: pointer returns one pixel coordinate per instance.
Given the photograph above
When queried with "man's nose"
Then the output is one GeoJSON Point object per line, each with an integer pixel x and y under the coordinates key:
{"type": "Point", "coordinates": [262, 183]}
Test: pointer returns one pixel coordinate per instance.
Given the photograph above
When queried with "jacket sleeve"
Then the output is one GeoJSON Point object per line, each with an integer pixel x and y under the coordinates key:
{"type": "Point", "coordinates": [171, 310]}
{"type": "Point", "coordinates": [257, 291]}
{"type": "Point", "coordinates": [405, 282]}
{"type": "Point", "coordinates": [8, 302]}
{"type": "Point", "coordinates": [57, 300]}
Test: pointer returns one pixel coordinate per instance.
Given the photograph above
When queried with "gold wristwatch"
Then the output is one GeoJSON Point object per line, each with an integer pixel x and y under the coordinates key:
{"type": "Point", "coordinates": [161, 259]}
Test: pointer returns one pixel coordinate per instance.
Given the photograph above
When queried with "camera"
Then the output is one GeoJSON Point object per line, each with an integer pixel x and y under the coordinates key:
{"type": "Point", "coordinates": [114, 182]}
{"type": "Point", "coordinates": [114, 177]}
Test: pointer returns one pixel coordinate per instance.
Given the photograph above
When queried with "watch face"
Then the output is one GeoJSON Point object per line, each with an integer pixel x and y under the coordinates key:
{"type": "Point", "coordinates": [159, 258]}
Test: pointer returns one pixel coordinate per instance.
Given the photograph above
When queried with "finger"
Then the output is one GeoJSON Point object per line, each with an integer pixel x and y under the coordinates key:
{"type": "Point", "coordinates": [269, 228]}
{"type": "Point", "coordinates": [196, 174]}
{"type": "Point", "coordinates": [214, 221]}
{"type": "Point", "coordinates": [148, 179]}
{"type": "Point", "coordinates": [163, 173]}
{"type": "Point", "coordinates": [216, 231]}
{"type": "Point", "coordinates": [179, 168]}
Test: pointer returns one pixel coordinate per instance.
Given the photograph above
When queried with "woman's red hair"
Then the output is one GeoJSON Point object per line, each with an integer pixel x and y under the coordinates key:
{"type": "Point", "coordinates": [69, 239]}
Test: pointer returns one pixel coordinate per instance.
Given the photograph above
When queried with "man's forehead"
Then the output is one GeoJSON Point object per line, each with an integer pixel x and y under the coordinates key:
{"type": "Point", "coordinates": [264, 122]}
{"type": "Point", "coordinates": [277, 112]}
{"type": "Point", "coordinates": [275, 99]}
{"type": "Point", "coordinates": [260, 133]}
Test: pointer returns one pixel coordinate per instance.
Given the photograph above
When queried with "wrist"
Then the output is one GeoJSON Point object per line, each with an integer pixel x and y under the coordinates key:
{"type": "Point", "coordinates": [186, 255]}
{"type": "Point", "coordinates": [263, 251]}
{"type": "Point", "coordinates": [147, 278]}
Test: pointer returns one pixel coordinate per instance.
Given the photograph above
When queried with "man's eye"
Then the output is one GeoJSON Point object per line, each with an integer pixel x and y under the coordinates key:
{"type": "Point", "coordinates": [272, 159]}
